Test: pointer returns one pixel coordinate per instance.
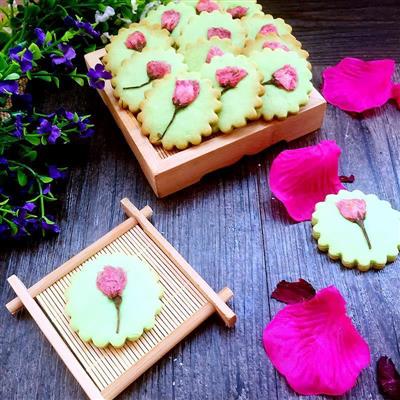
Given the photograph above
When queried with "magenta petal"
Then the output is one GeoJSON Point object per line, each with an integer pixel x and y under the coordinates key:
{"type": "Point", "coordinates": [303, 177]}
{"type": "Point", "coordinates": [315, 345]}
{"type": "Point", "coordinates": [293, 292]}
{"type": "Point", "coordinates": [396, 93]}
{"type": "Point", "coordinates": [355, 85]}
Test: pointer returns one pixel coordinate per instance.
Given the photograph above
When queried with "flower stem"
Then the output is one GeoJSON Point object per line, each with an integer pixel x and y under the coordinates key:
{"type": "Point", "coordinates": [170, 123]}
{"type": "Point", "coordinates": [117, 301]}
{"type": "Point", "coordinates": [361, 224]}
{"type": "Point", "coordinates": [270, 82]}
{"type": "Point", "coordinates": [137, 87]}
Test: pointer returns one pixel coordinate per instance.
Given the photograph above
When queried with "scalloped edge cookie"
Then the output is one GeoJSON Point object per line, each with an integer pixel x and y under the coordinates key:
{"type": "Point", "coordinates": [335, 254]}
{"type": "Point", "coordinates": [253, 20]}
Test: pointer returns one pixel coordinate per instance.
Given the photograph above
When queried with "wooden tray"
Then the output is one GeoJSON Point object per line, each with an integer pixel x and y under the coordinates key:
{"type": "Point", "coordinates": [187, 301]}
{"type": "Point", "coordinates": [170, 171]}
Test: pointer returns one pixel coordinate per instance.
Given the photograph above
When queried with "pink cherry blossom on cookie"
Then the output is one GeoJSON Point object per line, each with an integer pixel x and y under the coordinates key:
{"type": "Point", "coordinates": [170, 19]}
{"type": "Point", "coordinates": [286, 77]}
{"type": "Point", "coordinates": [237, 12]}
{"type": "Point", "coordinates": [303, 177]}
{"type": "Point", "coordinates": [229, 77]}
{"type": "Point", "coordinates": [275, 45]}
{"type": "Point", "coordinates": [315, 345]}
{"type": "Point", "coordinates": [186, 92]}
{"type": "Point", "coordinates": [222, 33]}
{"type": "Point", "coordinates": [213, 52]}
{"type": "Point", "coordinates": [136, 41]}
{"type": "Point", "coordinates": [352, 209]}
{"type": "Point", "coordinates": [355, 85]}
{"type": "Point", "coordinates": [111, 281]}
{"type": "Point", "coordinates": [207, 6]}
{"type": "Point", "coordinates": [157, 69]}
{"type": "Point", "coordinates": [267, 29]}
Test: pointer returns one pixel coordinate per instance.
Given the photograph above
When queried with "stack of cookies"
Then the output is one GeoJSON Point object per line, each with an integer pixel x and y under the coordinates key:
{"type": "Point", "coordinates": [195, 67]}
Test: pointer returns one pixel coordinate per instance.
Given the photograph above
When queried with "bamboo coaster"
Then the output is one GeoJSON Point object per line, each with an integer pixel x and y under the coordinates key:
{"type": "Point", "coordinates": [187, 301]}
{"type": "Point", "coordinates": [170, 171]}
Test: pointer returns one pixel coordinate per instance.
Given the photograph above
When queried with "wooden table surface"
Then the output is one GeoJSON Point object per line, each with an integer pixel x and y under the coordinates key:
{"type": "Point", "coordinates": [230, 229]}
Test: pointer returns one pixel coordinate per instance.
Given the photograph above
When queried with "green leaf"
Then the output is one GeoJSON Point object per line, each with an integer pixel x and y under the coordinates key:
{"type": "Point", "coordinates": [22, 178]}
{"type": "Point", "coordinates": [33, 139]}
{"type": "Point", "coordinates": [49, 221]}
{"type": "Point", "coordinates": [48, 37]}
{"type": "Point", "coordinates": [45, 179]}
{"type": "Point", "coordinates": [46, 78]}
{"type": "Point", "coordinates": [78, 80]}
{"type": "Point", "coordinates": [56, 81]}
{"type": "Point", "coordinates": [13, 227]}
{"type": "Point", "coordinates": [68, 35]}
{"type": "Point", "coordinates": [13, 76]}
{"type": "Point", "coordinates": [31, 155]}
{"type": "Point", "coordinates": [37, 54]}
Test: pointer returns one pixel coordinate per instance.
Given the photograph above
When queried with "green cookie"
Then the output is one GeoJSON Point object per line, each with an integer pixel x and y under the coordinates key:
{"type": "Point", "coordinates": [94, 315]}
{"type": "Point", "coordinates": [133, 72]}
{"type": "Point", "coordinates": [344, 240]}
{"type": "Point", "coordinates": [265, 24]}
{"type": "Point", "coordinates": [251, 7]}
{"type": "Point", "coordinates": [240, 103]}
{"type": "Point", "coordinates": [277, 101]}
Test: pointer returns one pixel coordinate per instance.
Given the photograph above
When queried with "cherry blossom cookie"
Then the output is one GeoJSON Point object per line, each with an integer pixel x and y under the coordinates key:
{"type": "Point", "coordinates": [209, 25]}
{"type": "Point", "coordinates": [138, 73]}
{"type": "Point", "coordinates": [114, 298]}
{"type": "Point", "coordinates": [203, 5]}
{"type": "Point", "coordinates": [241, 90]}
{"type": "Point", "coordinates": [185, 107]}
{"type": "Point", "coordinates": [171, 17]}
{"type": "Point", "coordinates": [287, 82]}
{"type": "Point", "coordinates": [134, 39]}
{"type": "Point", "coordinates": [239, 8]}
{"type": "Point", "coordinates": [203, 51]}
{"type": "Point", "coordinates": [265, 25]}
{"type": "Point", "coordinates": [360, 230]}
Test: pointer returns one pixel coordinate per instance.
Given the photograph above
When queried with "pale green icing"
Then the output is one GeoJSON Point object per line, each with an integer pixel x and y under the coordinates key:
{"type": "Point", "coordinates": [278, 102]}
{"type": "Point", "coordinates": [196, 53]}
{"type": "Point", "coordinates": [190, 123]}
{"type": "Point", "coordinates": [186, 11]}
{"type": "Point", "coordinates": [117, 52]}
{"type": "Point", "coordinates": [133, 72]}
{"type": "Point", "coordinates": [94, 316]}
{"type": "Point", "coordinates": [254, 23]}
{"type": "Point", "coordinates": [240, 103]}
{"type": "Point", "coordinates": [199, 25]}
{"type": "Point", "coordinates": [344, 239]}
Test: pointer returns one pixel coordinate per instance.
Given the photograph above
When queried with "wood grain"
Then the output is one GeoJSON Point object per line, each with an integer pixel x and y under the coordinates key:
{"type": "Point", "coordinates": [232, 232]}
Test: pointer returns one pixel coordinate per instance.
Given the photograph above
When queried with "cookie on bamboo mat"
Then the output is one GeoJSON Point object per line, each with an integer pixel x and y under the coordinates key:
{"type": "Point", "coordinates": [273, 41]}
{"type": "Point", "coordinates": [264, 25]}
{"type": "Point", "coordinates": [113, 298]}
{"type": "Point", "coordinates": [215, 24]}
{"type": "Point", "coordinates": [203, 51]}
{"type": "Point", "coordinates": [361, 230]}
{"type": "Point", "coordinates": [287, 81]}
{"type": "Point", "coordinates": [240, 84]}
{"type": "Point", "coordinates": [171, 17]}
{"type": "Point", "coordinates": [138, 73]}
{"type": "Point", "coordinates": [239, 8]}
{"type": "Point", "coordinates": [179, 110]}
{"type": "Point", "coordinates": [134, 39]}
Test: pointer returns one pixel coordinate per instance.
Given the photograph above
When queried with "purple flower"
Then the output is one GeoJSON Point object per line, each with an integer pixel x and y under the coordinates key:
{"type": "Point", "coordinates": [86, 26]}
{"type": "Point", "coordinates": [55, 173]}
{"type": "Point", "coordinates": [54, 228]}
{"type": "Point", "coordinates": [19, 127]}
{"type": "Point", "coordinates": [47, 189]}
{"type": "Point", "coordinates": [68, 55]}
{"type": "Point", "coordinates": [55, 133]}
{"type": "Point", "coordinates": [4, 228]}
{"type": "Point", "coordinates": [69, 115]}
{"type": "Point", "coordinates": [40, 35]}
{"type": "Point", "coordinates": [22, 56]}
{"type": "Point", "coordinates": [97, 75]}
{"type": "Point", "coordinates": [8, 86]}
{"type": "Point", "coordinates": [46, 127]}
{"type": "Point", "coordinates": [29, 207]}
{"type": "Point", "coordinates": [3, 163]}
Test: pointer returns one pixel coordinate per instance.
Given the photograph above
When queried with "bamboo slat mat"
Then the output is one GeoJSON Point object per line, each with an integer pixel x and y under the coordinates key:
{"type": "Point", "coordinates": [180, 301]}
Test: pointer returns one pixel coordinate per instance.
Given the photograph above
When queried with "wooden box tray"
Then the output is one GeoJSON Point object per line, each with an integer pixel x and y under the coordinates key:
{"type": "Point", "coordinates": [170, 171]}
{"type": "Point", "coordinates": [187, 301]}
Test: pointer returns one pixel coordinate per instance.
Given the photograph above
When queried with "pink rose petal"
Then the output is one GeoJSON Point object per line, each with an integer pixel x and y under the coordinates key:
{"type": "Point", "coordinates": [185, 93]}
{"type": "Point", "coordinates": [355, 85]}
{"type": "Point", "coordinates": [111, 281]}
{"type": "Point", "coordinates": [396, 93]}
{"type": "Point", "coordinates": [303, 177]}
{"type": "Point", "coordinates": [229, 77]}
{"type": "Point", "coordinates": [170, 19]}
{"type": "Point", "coordinates": [222, 33]}
{"type": "Point", "coordinates": [267, 29]}
{"type": "Point", "coordinates": [286, 77]}
{"type": "Point", "coordinates": [315, 345]}
{"type": "Point", "coordinates": [157, 69]}
{"type": "Point", "coordinates": [352, 209]}
{"type": "Point", "coordinates": [293, 292]}
{"type": "Point", "coordinates": [237, 12]}
{"type": "Point", "coordinates": [388, 379]}
{"type": "Point", "coordinates": [275, 45]}
{"type": "Point", "coordinates": [207, 6]}
{"type": "Point", "coordinates": [136, 41]}
{"type": "Point", "coordinates": [213, 52]}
